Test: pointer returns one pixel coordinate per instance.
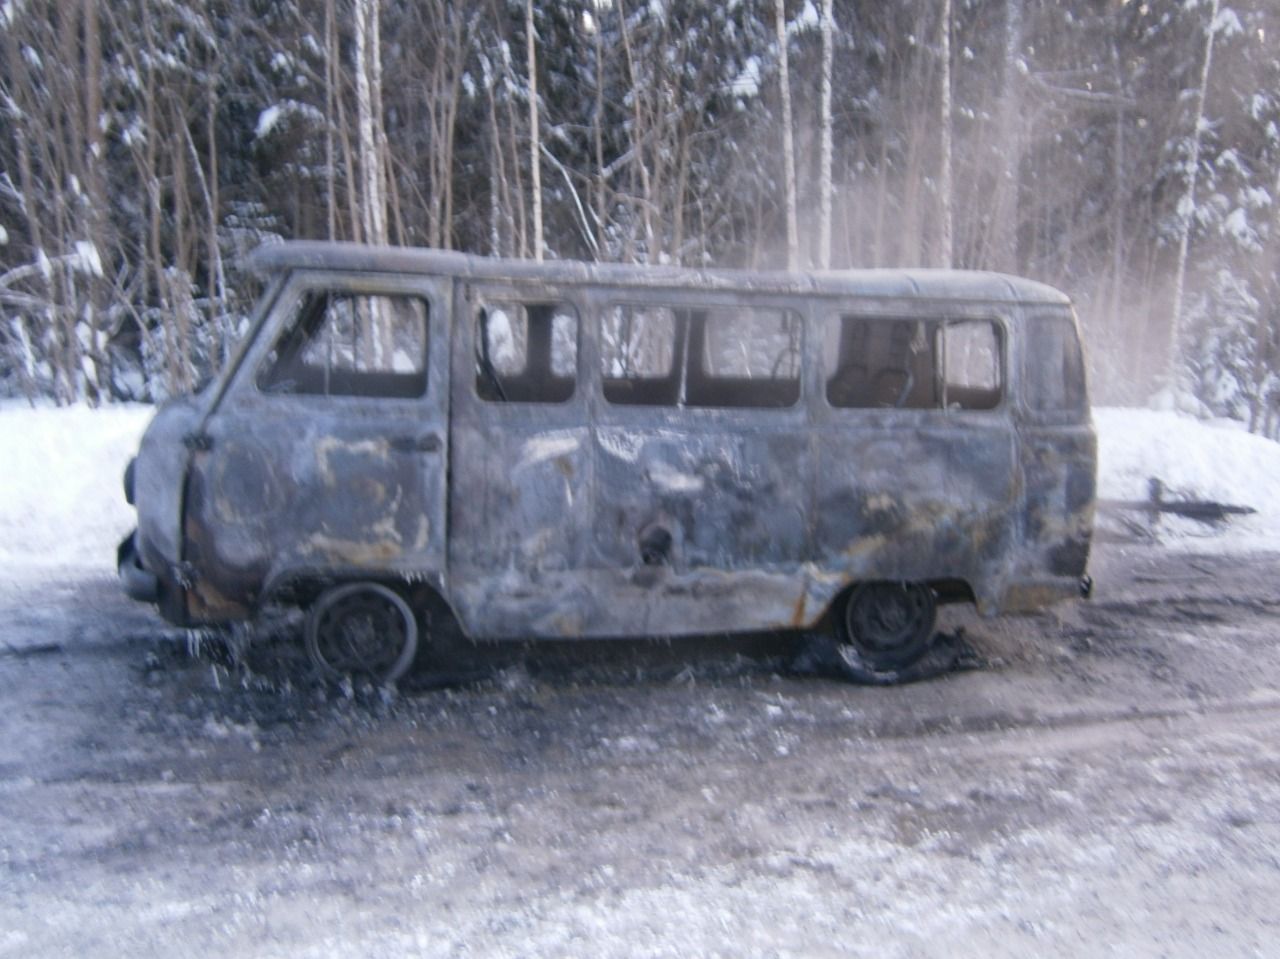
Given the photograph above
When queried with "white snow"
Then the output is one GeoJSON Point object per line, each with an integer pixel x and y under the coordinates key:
{"type": "Point", "coordinates": [267, 120]}
{"type": "Point", "coordinates": [807, 19]}
{"type": "Point", "coordinates": [86, 258]}
{"type": "Point", "coordinates": [271, 117]}
{"type": "Point", "coordinates": [1194, 459]}
{"type": "Point", "coordinates": [1227, 23]}
{"type": "Point", "coordinates": [1237, 225]}
{"type": "Point", "coordinates": [61, 503]}
{"type": "Point", "coordinates": [747, 83]}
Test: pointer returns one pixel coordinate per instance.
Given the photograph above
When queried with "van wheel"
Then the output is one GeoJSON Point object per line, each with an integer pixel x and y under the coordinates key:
{"type": "Point", "coordinates": [888, 625]}
{"type": "Point", "coordinates": [361, 629]}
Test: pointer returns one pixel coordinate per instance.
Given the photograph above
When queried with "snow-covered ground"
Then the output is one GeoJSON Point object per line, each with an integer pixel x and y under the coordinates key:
{"type": "Point", "coordinates": [1107, 775]}
{"type": "Point", "coordinates": [1195, 460]}
{"type": "Point", "coordinates": [61, 502]}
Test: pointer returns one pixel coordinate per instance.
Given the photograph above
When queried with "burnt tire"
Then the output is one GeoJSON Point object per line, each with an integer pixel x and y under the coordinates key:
{"type": "Point", "coordinates": [363, 630]}
{"type": "Point", "coordinates": [887, 625]}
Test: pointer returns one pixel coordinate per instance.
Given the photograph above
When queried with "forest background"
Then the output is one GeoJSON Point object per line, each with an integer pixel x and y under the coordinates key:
{"type": "Point", "coordinates": [1127, 152]}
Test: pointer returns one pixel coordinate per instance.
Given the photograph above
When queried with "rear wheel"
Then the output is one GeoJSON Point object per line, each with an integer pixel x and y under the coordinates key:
{"type": "Point", "coordinates": [888, 625]}
{"type": "Point", "coordinates": [361, 629]}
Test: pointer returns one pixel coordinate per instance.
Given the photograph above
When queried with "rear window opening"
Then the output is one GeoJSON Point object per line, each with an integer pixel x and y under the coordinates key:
{"type": "Point", "coordinates": [1055, 380]}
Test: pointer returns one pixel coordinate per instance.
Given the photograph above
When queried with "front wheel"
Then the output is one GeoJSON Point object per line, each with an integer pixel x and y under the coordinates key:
{"type": "Point", "coordinates": [361, 629]}
{"type": "Point", "coordinates": [888, 625]}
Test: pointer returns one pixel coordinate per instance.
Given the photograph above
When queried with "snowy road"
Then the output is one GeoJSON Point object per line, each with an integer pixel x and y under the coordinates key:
{"type": "Point", "coordinates": [1110, 781]}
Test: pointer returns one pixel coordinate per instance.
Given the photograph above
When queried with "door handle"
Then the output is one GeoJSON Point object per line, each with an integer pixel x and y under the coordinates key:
{"type": "Point", "coordinates": [430, 443]}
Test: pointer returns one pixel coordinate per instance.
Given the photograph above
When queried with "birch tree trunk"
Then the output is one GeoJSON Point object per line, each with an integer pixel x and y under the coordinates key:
{"type": "Point", "coordinates": [373, 209]}
{"type": "Point", "coordinates": [788, 143]}
{"type": "Point", "coordinates": [330, 119]}
{"type": "Point", "coordinates": [597, 136]}
{"type": "Point", "coordinates": [535, 138]}
{"type": "Point", "coordinates": [639, 137]}
{"type": "Point", "coordinates": [1004, 243]}
{"type": "Point", "coordinates": [824, 174]}
{"type": "Point", "coordinates": [1187, 207]}
{"type": "Point", "coordinates": [92, 160]}
{"type": "Point", "coordinates": [946, 231]}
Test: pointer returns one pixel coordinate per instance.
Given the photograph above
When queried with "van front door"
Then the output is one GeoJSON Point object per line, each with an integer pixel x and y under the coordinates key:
{"type": "Point", "coordinates": [327, 454]}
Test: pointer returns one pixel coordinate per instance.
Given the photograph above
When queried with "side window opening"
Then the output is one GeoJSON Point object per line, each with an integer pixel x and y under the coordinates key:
{"type": "Point", "coordinates": [721, 356]}
{"type": "Point", "coordinates": [744, 357]}
{"type": "Point", "coordinates": [879, 363]}
{"type": "Point", "coordinates": [642, 355]}
{"type": "Point", "coordinates": [526, 352]}
{"type": "Point", "coordinates": [971, 358]}
{"type": "Point", "coordinates": [904, 363]}
{"type": "Point", "coordinates": [352, 344]}
{"type": "Point", "coordinates": [1054, 366]}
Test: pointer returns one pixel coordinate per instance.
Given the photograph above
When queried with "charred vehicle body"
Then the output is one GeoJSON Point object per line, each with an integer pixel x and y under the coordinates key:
{"type": "Point", "coordinates": [572, 450]}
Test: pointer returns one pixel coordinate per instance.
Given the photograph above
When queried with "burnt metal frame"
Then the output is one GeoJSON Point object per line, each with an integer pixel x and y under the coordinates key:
{"type": "Point", "coordinates": [1066, 440]}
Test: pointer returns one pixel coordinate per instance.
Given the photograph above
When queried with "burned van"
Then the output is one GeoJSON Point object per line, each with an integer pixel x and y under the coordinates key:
{"type": "Point", "coordinates": [573, 450]}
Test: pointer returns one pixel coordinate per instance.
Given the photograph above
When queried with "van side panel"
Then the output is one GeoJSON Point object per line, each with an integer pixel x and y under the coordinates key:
{"type": "Point", "coordinates": [1057, 466]}
{"type": "Point", "coordinates": [702, 526]}
{"type": "Point", "coordinates": [916, 497]}
{"type": "Point", "coordinates": [518, 543]}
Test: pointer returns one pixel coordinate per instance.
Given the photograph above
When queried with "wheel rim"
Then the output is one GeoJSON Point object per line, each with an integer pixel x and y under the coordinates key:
{"type": "Point", "coordinates": [890, 624]}
{"type": "Point", "coordinates": [362, 629]}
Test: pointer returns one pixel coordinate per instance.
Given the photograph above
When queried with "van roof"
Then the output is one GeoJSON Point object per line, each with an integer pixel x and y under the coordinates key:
{"type": "Point", "coordinates": [913, 283]}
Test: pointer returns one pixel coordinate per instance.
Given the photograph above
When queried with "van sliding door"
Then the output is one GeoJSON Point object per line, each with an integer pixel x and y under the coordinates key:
{"type": "Point", "coordinates": [520, 503]}
{"type": "Point", "coordinates": [702, 465]}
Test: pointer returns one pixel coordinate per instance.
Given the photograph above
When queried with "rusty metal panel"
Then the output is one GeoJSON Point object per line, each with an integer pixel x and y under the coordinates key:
{"type": "Point", "coordinates": [1058, 466]}
{"type": "Point", "coordinates": [703, 525]}
{"type": "Point", "coordinates": [912, 285]}
{"type": "Point", "coordinates": [519, 525]}
{"type": "Point", "coordinates": [728, 495]}
{"type": "Point", "coordinates": [915, 496]}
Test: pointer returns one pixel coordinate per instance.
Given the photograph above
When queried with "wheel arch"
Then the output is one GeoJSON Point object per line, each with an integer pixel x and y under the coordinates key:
{"type": "Point", "coordinates": [300, 586]}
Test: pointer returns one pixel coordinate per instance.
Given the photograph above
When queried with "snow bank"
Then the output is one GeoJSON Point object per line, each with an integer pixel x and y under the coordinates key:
{"type": "Point", "coordinates": [61, 502]}
{"type": "Point", "coordinates": [1194, 459]}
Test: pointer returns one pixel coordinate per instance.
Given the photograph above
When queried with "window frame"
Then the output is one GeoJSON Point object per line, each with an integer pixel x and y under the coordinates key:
{"type": "Point", "coordinates": [682, 308]}
{"type": "Point", "coordinates": [905, 311]}
{"type": "Point", "coordinates": [1053, 415]}
{"type": "Point", "coordinates": [288, 314]}
{"type": "Point", "coordinates": [510, 297]}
